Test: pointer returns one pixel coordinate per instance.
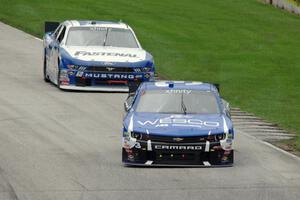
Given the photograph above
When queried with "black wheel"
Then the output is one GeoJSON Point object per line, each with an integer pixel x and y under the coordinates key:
{"type": "Point", "coordinates": [46, 78]}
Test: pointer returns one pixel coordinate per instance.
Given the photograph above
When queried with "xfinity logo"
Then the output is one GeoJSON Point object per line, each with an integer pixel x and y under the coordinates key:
{"type": "Point", "coordinates": [113, 76]}
{"type": "Point", "coordinates": [88, 53]}
{"type": "Point", "coordinates": [179, 122]}
{"type": "Point", "coordinates": [177, 147]}
{"type": "Point", "coordinates": [178, 91]}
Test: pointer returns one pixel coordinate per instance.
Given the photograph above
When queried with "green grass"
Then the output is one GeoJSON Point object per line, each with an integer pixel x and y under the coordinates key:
{"type": "Point", "coordinates": [251, 49]}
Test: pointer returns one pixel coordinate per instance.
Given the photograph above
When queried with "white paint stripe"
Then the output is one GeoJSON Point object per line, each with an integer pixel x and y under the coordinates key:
{"type": "Point", "coordinates": [149, 147]}
{"type": "Point", "coordinates": [130, 126]}
{"type": "Point", "coordinates": [149, 162]}
{"type": "Point", "coordinates": [225, 126]}
{"type": "Point", "coordinates": [206, 163]}
{"type": "Point", "coordinates": [39, 39]}
{"type": "Point", "coordinates": [207, 146]}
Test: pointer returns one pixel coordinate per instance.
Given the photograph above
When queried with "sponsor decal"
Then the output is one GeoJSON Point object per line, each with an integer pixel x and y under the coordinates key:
{"type": "Point", "coordinates": [125, 134]}
{"type": "Point", "coordinates": [165, 122]}
{"type": "Point", "coordinates": [178, 91]}
{"type": "Point", "coordinates": [97, 29]}
{"type": "Point", "coordinates": [112, 76]}
{"type": "Point", "coordinates": [81, 68]}
{"type": "Point", "coordinates": [137, 69]}
{"type": "Point", "coordinates": [147, 75]}
{"type": "Point", "coordinates": [130, 143]}
{"type": "Point", "coordinates": [79, 74]}
{"type": "Point", "coordinates": [71, 73]}
{"type": "Point", "coordinates": [226, 144]}
{"type": "Point", "coordinates": [95, 53]}
{"type": "Point", "coordinates": [137, 145]}
{"type": "Point", "coordinates": [177, 147]}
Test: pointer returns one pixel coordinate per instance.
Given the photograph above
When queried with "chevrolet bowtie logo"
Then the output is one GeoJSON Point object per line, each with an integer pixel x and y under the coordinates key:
{"type": "Point", "coordinates": [177, 139]}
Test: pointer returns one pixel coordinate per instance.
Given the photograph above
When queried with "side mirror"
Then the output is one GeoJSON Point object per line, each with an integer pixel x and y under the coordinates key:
{"type": "Point", "coordinates": [129, 101]}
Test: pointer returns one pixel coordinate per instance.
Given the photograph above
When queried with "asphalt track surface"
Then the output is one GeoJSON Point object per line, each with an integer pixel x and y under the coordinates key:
{"type": "Point", "coordinates": [67, 145]}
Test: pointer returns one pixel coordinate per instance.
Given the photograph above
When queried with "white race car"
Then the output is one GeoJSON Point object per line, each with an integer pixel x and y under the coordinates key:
{"type": "Point", "coordinates": [95, 56]}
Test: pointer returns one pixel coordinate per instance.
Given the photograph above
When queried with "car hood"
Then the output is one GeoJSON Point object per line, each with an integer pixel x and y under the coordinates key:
{"type": "Point", "coordinates": [106, 54]}
{"type": "Point", "coordinates": [178, 125]}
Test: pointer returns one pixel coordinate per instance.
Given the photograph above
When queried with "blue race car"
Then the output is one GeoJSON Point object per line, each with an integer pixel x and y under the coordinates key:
{"type": "Point", "coordinates": [177, 123]}
{"type": "Point", "coordinates": [94, 56]}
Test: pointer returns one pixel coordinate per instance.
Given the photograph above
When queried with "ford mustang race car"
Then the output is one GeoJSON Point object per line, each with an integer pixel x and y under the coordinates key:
{"type": "Point", "coordinates": [177, 123]}
{"type": "Point", "coordinates": [94, 55]}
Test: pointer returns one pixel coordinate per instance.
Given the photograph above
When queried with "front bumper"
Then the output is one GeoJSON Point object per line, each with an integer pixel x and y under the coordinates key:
{"type": "Point", "coordinates": [204, 154]}
{"type": "Point", "coordinates": [102, 88]}
{"type": "Point", "coordinates": [116, 82]}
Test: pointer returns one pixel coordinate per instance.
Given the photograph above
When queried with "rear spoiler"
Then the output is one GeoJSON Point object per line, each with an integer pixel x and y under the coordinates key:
{"type": "Point", "coordinates": [51, 26]}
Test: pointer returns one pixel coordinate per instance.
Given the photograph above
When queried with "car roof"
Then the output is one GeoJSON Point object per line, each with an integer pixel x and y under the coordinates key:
{"type": "Point", "coordinates": [180, 85]}
{"type": "Point", "coordinates": [96, 23]}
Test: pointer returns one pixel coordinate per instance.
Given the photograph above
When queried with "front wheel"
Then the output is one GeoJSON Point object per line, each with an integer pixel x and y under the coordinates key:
{"type": "Point", "coordinates": [58, 77]}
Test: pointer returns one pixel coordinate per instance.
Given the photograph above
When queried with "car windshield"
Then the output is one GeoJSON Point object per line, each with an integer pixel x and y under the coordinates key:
{"type": "Point", "coordinates": [178, 102]}
{"type": "Point", "coordinates": [98, 36]}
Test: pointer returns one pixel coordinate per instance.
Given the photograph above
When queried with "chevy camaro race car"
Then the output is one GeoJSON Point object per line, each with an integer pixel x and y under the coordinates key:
{"type": "Point", "coordinates": [94, 55]}
{"type": "Point", "coordinates": [177, 123]}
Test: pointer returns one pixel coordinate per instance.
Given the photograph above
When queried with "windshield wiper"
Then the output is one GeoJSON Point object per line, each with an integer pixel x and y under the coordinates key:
{"type": "Point", "coordinates": [183, 107]}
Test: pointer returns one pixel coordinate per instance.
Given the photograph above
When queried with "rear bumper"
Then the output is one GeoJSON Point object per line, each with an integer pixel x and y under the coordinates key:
{"type": "Point", "coordinates": [143, 153]}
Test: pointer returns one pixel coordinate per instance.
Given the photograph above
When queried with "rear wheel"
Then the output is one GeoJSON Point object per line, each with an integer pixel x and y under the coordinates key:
{"type": "Point", "coordinates": [46, 78]}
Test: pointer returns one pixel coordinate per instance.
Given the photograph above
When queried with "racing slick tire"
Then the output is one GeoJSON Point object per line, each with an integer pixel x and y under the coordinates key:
{"type": "Point", "coordinates": [58, 78]}
{"type": "Point", "coordinates": [46, 79]}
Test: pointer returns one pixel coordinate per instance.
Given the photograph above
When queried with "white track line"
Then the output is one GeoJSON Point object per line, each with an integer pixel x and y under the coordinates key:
{"type": "Point", "coordinates": [39, 39]}
{"type": "Point", "coordinates": [271, 145]}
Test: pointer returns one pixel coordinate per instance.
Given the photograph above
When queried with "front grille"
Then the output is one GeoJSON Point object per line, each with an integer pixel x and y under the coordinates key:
{"type": "Point", "coordinates": [109, 69]}
{"type": "Point", "coordinates": [169, 139]}
{"type": "Point", "coordinates": [110, 82]}
{"type": "Point", "coordinates": [83, 82]}
{"type": "Point", "coordinates": [175, 156]}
